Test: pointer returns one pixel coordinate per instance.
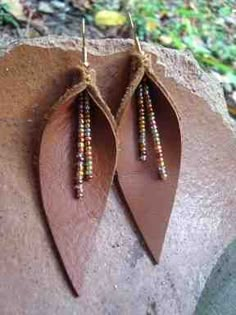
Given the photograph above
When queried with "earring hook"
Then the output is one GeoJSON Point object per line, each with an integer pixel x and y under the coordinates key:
{"type": "Point", "coordinates": [84, 48]}
{"type": "Point", "coordinates": [135, 37]}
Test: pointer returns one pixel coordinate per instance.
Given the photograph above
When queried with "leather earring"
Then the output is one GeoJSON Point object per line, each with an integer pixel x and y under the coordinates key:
{"type": "Point", "coordinates": [78, 157]}
{"type": "Point", "coordinates": [150, 148]}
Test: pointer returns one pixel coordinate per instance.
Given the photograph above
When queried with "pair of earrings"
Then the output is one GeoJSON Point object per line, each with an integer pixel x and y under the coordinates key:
{"type": "Point", "coordinates": [97, 157]}
{"type": "Point", "coordinates": [146, 118]}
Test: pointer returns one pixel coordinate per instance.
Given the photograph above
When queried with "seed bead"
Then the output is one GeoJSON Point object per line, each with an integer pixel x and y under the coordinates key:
{"type": "Point", "coordinates": [141, 124]}
{"type": "Point", "coordinates": [88, 139]}
{"type": "Point", "coordinates": [155, 133]}
{"type": "Point", "coordinates": [80, 149]}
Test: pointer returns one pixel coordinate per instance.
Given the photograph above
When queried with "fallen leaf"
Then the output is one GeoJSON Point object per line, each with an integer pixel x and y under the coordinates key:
{"type": "Point", "coordinates": [45, 7]}
{"type": "Point", "coordinates": [109, 18]}
{"type": "Point", "coordinates": [151, 26]}
{"type": "Point", "coordinates": [15, 8]}
{"type": "Point", "coordinates": [82, 4]}
{"type": "Point", "coordinates": [165, 40]}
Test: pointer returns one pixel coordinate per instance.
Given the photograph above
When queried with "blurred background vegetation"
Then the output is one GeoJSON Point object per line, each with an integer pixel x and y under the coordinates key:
{"type": "Point", "coordinates": [207, 28]}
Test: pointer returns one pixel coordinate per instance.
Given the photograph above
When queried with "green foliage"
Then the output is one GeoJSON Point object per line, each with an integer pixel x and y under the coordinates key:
{"type": "Point", "coordinates": [6, 17]}
{"type": "Point", "coordinates": [207, 28]}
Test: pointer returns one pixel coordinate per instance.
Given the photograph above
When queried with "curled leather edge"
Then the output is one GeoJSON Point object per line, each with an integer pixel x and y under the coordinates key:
{"type": "Point", "coordinates": [141, 65]}
{"type": "Point", "coordinates": [87, 81]}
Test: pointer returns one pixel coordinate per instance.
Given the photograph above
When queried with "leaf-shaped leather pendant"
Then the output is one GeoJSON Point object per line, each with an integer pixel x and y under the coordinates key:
{"type": "Point", "coordinates": [149, 197]}
{"type": "Point", "coordinates": [73, 222]}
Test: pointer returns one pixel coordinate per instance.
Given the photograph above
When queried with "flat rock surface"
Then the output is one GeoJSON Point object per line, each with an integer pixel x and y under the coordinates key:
{"type": "Point", "coordinates": [121, 278]}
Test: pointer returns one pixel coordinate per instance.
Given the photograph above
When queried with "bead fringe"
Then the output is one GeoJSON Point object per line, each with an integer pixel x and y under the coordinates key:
{"type": "Point", "coordinates": [84, 159]}
{"type": "Point", "coordinates": [142, 125]}
{"type": "Point", "coordinates": [145, 107]}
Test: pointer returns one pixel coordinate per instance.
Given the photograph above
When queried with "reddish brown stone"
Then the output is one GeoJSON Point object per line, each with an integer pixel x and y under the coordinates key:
{"type": "Point", "coordinates": [120, 277]}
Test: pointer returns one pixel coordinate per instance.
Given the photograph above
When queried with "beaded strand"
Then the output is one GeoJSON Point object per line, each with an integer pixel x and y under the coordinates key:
{"type": "Point", "coordinates": [88, 139]}
{"type": "Point", "coordinates": [155, 133]}
{"type": "Point", "coordinates": [84, 159]}
{"type": "Point", "coordinates": [141, 124]}
{"type": "Point", "coordinates": [80, 149]}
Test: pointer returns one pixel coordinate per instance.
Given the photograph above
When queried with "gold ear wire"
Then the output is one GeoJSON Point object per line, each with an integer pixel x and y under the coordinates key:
{"type": "Point", "coordinates": [135, 37]}
{"type": "Point", "coordinates": [84, 48]}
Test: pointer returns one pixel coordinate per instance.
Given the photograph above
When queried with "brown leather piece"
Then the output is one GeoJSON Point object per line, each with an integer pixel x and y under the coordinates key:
{"type": "Point", "coordinates": [149, 199]}
{"type": "Point", "coordinates": [73, 222]}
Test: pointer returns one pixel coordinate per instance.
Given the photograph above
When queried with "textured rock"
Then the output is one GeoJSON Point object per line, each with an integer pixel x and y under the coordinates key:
{"type": "Point", "coordinates": [120, 278]}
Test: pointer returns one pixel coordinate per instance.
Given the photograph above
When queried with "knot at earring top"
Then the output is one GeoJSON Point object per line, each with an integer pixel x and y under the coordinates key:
{"type": "Point", "coordinates": [144, 59]}
{"type": "Point", "coordinates": [88, 75]}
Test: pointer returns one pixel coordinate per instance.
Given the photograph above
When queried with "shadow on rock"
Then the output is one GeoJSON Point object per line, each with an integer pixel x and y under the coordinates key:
{"type": "Point", "coordinates": [219, 294]}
